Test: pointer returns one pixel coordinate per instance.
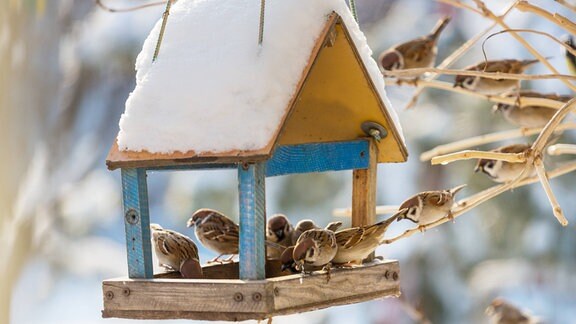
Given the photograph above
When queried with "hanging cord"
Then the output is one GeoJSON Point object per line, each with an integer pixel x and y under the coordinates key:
{"type": "Point", "coordinates": [353, 9]}
{"type": "Point", "coordinates": [261, 31]}
{"type": "Point", "coordinates": [162, 29]}
{"type": "Point", "coordinates": [105, 7]}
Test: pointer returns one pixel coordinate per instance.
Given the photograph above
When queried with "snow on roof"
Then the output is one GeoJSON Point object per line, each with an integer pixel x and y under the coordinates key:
{"type": "Point", "coordinates": [212, 88]}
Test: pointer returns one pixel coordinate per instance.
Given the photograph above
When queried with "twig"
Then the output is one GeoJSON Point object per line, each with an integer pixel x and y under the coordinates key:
{"type": "Point", "coordinates": [566, 4]}
{"type": "Point", "coordinates": [162, 30]}
{"type": "Point", "coordinates": [468, 203]}
{"type": "Point", "coordinates": [552, 125]}
{"type": "Point", "coordinates": [561, 21]}
{"type": "Point", "coordinates": [105, 7]}
{"type": "Point", "coordinates": [563, 44]}
{"type": "Point", "coordinates": [380, 210]}
{"type": "Point", "coordinates": [524, 101]}
{"type": "Point", "coordinates": [467, 155]}
{"type": "Point", "coordinates": [486, 139]}
{"type": "Point", "coordinates": [559, 149]}
{"type": "Point", "coordinates": [487, 75]}
{"type": "Point", "coordinates": [556, 209]}
{"type": "Point", "coordinates": [456, 55]}
{"type": "Point", "coordinates": [458, 4]}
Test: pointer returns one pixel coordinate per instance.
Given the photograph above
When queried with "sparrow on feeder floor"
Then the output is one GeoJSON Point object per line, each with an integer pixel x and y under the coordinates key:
{"type": "Point", "coordinates": [493, 86]}
{"type": "Point", "coordinates": [279, 230]}
{"type": "Point", "coordinates": [316, 247]}
{"type": "Point", "coordinates": [529, 116]}
{"type": "Point", "coordinates": [429, 206]}
{"type": "Point", "coordinates": [502, 171]}
{"type": "Point", "coordinates": [417, 53]}
{"type": "Point", "coordinates": [502, 312]}
{"type": "Point", "coordinates": [176, 252]}
{"type": "Point", "coordinates": [216, 232]}
{"type": "Point", "coordinates": [355, 244]}
{"type": "Point", "coordinates": [301, 227]}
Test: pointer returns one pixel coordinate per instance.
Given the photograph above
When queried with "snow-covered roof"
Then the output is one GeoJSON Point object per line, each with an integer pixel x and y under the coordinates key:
{"type": "Point", "coordinates": [214, 91]}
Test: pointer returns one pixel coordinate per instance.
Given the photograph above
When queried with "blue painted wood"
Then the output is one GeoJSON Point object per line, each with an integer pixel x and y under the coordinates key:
{"type": "Point", "coordinates": [251, 189]}
{"type": "Point", "coordinates": [319, 157]}
{"type": "Point", "coordinates": [185, 167]}
{"type": "Point", "coordinates": [137, 223]}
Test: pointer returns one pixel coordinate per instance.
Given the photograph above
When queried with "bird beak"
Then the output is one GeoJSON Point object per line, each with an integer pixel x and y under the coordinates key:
{"type": "Point", "coordinates": [279, 234]}
{"type": "Point", "coordinates": [401, 214]}
{"type": "Point", "coordinates": [284, 267]}
{"type": "Point", "coordinates": [190, 223]}
{"type": "Point", "coordinates": [457, 84]}
{"type": "Point", "coordinates": [476, 169]}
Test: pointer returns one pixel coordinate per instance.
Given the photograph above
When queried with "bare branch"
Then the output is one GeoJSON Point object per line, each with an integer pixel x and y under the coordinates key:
{"type": "Point", "coordinates": [556, 209]}
{"type": "Point", "coordinates": [105, 7]}
{"type": "Point", "coordinates": [467, 155]}
{"type": "Point", "coordinates": [555, 39]}
{"type": "Point", "coordinates": [560, 149]}
{"type": "Point", "coordinates": [487, 75]}
{"type": "Point", "coordinates": [567, 4]}
{"type": "Point", "coordinates": [559, 20]}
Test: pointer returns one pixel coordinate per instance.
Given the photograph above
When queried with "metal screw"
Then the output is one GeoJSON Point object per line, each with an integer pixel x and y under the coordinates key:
{"type": "Point", "coordinates": [276, 291]}
{"type": "Point", "coordinates": [395, 276]}
{"type": "Point", "coordinates": [257, 297]}
{"type": "Point", "coordinates": [238, 297]}
{"type": "Point", "coordinates": [109, 295]}
{"type": "Point", "coordinates": [387, 274]}
{"type": "Point", "coordinates": [132, 216]}
{"type": "Point", "coordinates": [126, 292]}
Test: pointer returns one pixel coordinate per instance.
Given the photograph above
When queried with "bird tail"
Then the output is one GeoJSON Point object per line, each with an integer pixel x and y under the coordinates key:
{"type": "Point", "coordinates": [437, 30]}
{"type": "Point", "coordinates": [455, 190]}
{"type": "Point", "coordinates": [571, 58]}
{"type": "Point", "coordinates": [527, 63]}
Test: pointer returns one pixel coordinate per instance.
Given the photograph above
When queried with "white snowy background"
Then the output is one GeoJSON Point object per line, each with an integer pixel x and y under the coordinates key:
{"type": "Point", "coordinates": [70, 69]}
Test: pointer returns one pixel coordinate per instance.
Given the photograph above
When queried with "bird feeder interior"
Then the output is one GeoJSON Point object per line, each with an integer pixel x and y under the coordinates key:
{"type": "Point", "coordinates": [336, 119]}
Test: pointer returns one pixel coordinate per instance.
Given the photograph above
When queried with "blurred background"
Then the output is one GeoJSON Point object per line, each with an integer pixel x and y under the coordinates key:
{"type": "Point", "coordinates": [67, 68]}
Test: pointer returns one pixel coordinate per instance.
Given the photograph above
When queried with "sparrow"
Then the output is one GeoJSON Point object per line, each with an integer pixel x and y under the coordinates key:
{"type": "Point", "coordinates": [216, 232]}
{"type": "Point", "coordinates": [301, 227]}
{"type": "Point", "coordinates": [493, 86]}
{"type": "Point", "coordinates": [570, 58]}
{"type": "Point", "coordinates": [417, 53]}
{"type": "Point", "coordinates": [429, 206]}
{"type": "Point", "coordinates": [355, 244]}
{"type": "Point", "coordinates": [529, 116]}
{"type": "Point", "coordinates": [316, 247]}
{"type": "Point", "coordinates": [176, 252]}
{"type": "Point", "coordinates": [278, 230]}
{"type": "Point", "coordinates": [502, 171]}
{"type": "Point", "coordinates": [287, 262]}
{"type": "Point", "coordinates": [502, 312]}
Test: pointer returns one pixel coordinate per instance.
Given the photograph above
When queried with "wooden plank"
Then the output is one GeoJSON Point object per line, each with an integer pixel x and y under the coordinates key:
{"type": "Point", "coordinates": [318, 157]}
{"type": "Point", "coordinates": [215, 299]}
{"type": "Point", "coordinates": [137, 223]}
{"type": "Point", "coordinates": [251, 190]}
{"type": "Point", "coordinates": [193, 295]}
{"type": "Point", "coordinates": [364, 192]}
{"type": "Point", "coordinates": [345, 284]}
{"type": "Point", "coordinates": [228, 271]}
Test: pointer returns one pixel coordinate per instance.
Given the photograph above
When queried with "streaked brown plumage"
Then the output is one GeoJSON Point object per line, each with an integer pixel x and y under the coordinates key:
{"type": "Point", "coordinates": [502, 171]}
{"type": "Point", "coordinates": [428, 206]}
{"type": "Point", "coordinates": [301, 227]}
{"type": "Point", "coordinates": [493, 86]}
{"type": "Point", "coordinates": [216, 232]}
{"type": "Point", "coordinates": [417, 53]}
{"type": "Point", "coordinates": [315, 247]}
{"type": "Point", "coordinates": [502, 312]}
{"type": "Point", "coordinates": [529, 116]}
{"type": "Point", "coordinates": [176, 251]}
{"type": "Point", "coordinates": [356, 243]}
{"type": "Point", "coordinates": [278, 230]}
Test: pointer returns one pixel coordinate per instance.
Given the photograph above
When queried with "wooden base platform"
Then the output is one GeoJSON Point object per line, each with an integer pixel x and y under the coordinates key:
{"type": "Point", "coordinates": [237, 300]}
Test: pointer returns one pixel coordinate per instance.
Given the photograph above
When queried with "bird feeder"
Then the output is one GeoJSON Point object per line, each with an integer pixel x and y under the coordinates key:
{"type": "Point", "coordinates": [335, 119]}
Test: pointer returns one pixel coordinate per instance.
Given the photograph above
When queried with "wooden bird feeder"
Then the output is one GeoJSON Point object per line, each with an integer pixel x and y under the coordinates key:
{"type": "Point", "coordinates": [329, 124]}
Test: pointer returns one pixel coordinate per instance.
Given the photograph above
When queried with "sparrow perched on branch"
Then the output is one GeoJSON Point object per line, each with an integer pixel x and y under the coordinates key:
{"type": "Point", "coordinates": [417, 53]}
{"type": "Point", "coordinates": [493, 86]}
{"type": "Point", "coordinates": [301, 227]}
{"type": "Point", "coordinates": [316, 247]}
{"type": "Point", "coordinates": [216, 232]}
{"type": "Point", "coordinates": [429, 206]}
{"type": "Point", "coordinates": [502, 312]}
{"type": "Point", "coordinates": [529, 116]}
{"type": "Point", "coordinates": [355, 244]}
{"type": "Point", "coordinates": [176, 252]}
{"type": "Point", "coordinates": [279, 230]}
{"type": "Point", "coordinates": [502, 171]}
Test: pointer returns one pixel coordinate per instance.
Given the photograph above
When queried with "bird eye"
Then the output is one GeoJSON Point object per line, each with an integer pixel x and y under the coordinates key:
{"type": "Point", "coordinates": [413, 211]}
{"type": "Point", "coordinates": [469, 82]}
{"type": "Point", "coordinates": [311, 254]}
{"type": "Point", "coordinates": [490, 165]}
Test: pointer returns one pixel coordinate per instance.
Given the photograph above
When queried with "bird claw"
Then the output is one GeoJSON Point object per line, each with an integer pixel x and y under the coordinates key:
{"type": "Point", "coordinates": [422, 228]}
{"type": "Point", "coordinates": [328, 269]}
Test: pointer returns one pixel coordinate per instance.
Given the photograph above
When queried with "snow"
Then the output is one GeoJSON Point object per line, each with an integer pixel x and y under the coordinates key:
{"type": "Point", "coordinates": [212, 88]}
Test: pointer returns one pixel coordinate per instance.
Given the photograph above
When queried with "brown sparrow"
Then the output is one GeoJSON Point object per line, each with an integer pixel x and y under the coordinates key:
{"type": "Point", "coordinates": [301, 227]}
{"type": "Point", "coordinates": [278, 230]}
{"type": "Point", "coordinates": [355, 244]}
{"type": "Point", "coordinates": [216, 232]}
{"type": "Point", "coordinates": [493, 86]}
{"type": "Point", "coordinates": [529, 116]}
{"type": "Point", "coordinates": [502, 171]}
{"type": "Point", "coordinates": [176, 252]}
{"type": "Point", "coordinates": [315, 247]}
{"type": "Point", "coordinates": [417, 53]}
{"type": "Point", "coordinates": [428, 206]}
{"type": "Point", "coordinates": [502, 312]}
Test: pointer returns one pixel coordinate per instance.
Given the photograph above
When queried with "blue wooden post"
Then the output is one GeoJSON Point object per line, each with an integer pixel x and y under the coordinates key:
{"type": "Point", "coordinates": [137, 223]}
{"type": "Point", "coordinates": [251, 189]}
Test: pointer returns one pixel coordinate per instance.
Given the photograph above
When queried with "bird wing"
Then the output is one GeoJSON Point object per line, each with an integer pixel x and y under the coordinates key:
{"type": "Point", "coordinates": [416, 49]}
{"type": "Point", "coordinates": [349, 237]}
